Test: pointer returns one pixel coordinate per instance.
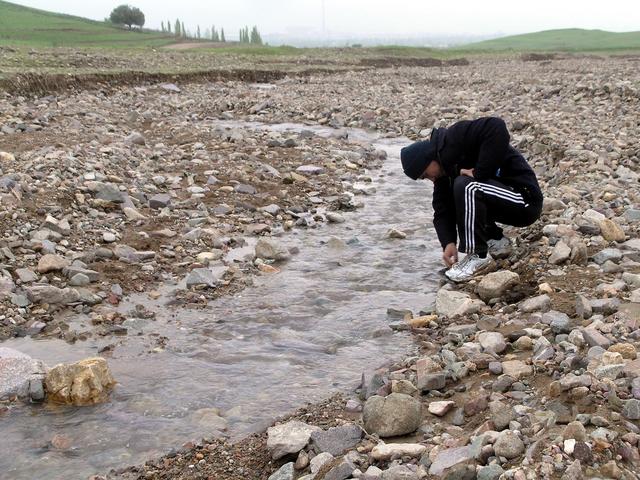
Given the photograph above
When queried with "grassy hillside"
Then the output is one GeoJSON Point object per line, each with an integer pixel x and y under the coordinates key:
{"type": "Point", "coordinates": [567, 40]}
{"type": "Point", "coordinates": [31, 27]}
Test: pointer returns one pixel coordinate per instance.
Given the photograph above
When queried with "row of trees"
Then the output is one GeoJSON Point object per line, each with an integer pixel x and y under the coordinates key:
{"type": "Point", "coordinates": [180, 31]}
{"type": "Point", "coordinates": [246, 36]}
{"type": "Point", "coordinates": [253, 37]}
{"type": "Point", "coordinates": [129, 16]}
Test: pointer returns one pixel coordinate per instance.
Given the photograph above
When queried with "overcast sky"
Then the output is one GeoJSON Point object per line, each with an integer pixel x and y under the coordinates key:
{"type": "Point", "coordinates": [372, 17]}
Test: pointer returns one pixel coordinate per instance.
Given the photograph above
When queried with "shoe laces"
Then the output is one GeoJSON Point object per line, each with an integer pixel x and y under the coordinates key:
{"type": "Point", "coordinates": [463, 263]}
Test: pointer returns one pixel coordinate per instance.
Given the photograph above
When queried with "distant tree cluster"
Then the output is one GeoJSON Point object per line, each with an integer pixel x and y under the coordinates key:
{"type": "Point", "coordinates": [127, 15]}
{"type": "Point", "coordinates": [252, 37]}
{"type": "Point", "coordinates": [246, 36]}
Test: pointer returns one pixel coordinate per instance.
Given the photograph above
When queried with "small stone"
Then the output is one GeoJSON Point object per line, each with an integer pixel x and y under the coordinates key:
{"type": "Point", "coordinates": [285, 472]}
{"type": "Point", "coordinates": [490, 472]}
{"type": "Point", "coordinates": [568, 446]}
{"type": "Point", "coordinates": [611, 470]}
{"type": "Point", "coordinates": [61, 442]}
{"type": "Point", "coordinates": [524, 343]}
{"type": "Point", "coordinates": [540, 303]}
{"type": "Point", "coordinates": [501, 415]}
{"type": "Point", "coordinates": [51, 263]}
{"type": "Point", "coordinates": [204, 276]}
{"type": "Point", "coordinates": [560, 254]}
{"type": "Point", "coordinates": [450, 457]}
{"type": "Point", "coordinates": [576, 431]}
{"type": "Point", "coordinates": [440, 409]}
{"type": "Point", "coordinates": [476, 404]}
{"type": "Point", "coordinates": [247, 189]}
{"type": "Point", "coordinates": [109, 237]}
{"type": "Point", "coordinates": [340, 469]}
{"type": "Point", "coordinates": [395, 233]}
{"type": "Point", "coordinates": [611, 231]}
{"type": "Point", "coordinates": [386, 451]}
{"type": "Point", "coordinates": [160, 200]}
{"type": "Point", "coordinates": [334, 217]}
{"type": "Point", "coordinates": [337, 440]}
{"type": "Point", "coordinates": [271, 250]}
{"type": "Point", "coordinates": [135, 138]}
{"type": "Point", "coordinates": [492, 342]}
{"type": "Point", "coordinates": [403, 386]}
{"type": "Point", "coordinates": [582, 452]}
{"type": "Point", "coordinates": [496, 284]}
{"type": "Point", "coordinates": [631, 409]}
{"type": "Point", "coordinates": [287, 438]}
{"type": "Point", "coordinates": [626, 350]}
{"type": "Point", "coordinates": [495, 368]}
{"type": "Point", "coordinates": [310, 170]}
{"type": "Point", "coordinates": [559, 322]}
{"type": "Point", "coordinates": [573, 471]}
{"type": "Point", "coordinates": [79, 280]}
{"type": "Point", "coordinates": [508, 445]}
{"type": "Point", "coordinates": [594, 338]}
{"type": "Point", "coordinates": [516, 369]}
{"type": "Point", "coordinates": [26, 276]}
{"type": "Point", "coordinates": [613, 254]}
{"type": "Point", "coordinates": [432, 381]}
{"type": "Point", "coordinates": [319, 461]}
{"type": "Point", "coordinates": [451, 303]}
{"type": "Point", "coordinates": [302, 461]}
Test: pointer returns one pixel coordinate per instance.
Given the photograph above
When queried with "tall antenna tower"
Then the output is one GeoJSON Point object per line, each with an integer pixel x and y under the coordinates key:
{"type": "Point", "coordinates": [324, 20]}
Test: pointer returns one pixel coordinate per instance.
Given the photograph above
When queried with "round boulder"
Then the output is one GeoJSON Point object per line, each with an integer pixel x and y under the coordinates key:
{"type": "Point", "coordinates": [396, 414]}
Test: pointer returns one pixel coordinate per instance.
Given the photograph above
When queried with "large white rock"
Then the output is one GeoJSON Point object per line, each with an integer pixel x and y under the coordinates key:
{"type": "Point", "coordinates": [290, 437]}
{"type": "Point", "coordinates": [19, 373]}
{"type": "Point", "coordinates": [452, 302]}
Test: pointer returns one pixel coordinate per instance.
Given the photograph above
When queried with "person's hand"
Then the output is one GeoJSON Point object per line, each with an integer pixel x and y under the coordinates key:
{"type": "Point", "coordinates": [450, 254]}
{"type": "Point", "coordinates": [467, 172]}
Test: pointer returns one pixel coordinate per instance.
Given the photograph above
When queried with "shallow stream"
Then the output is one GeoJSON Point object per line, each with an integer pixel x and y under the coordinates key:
{"type": "Point", "coordinates": [295, 337]}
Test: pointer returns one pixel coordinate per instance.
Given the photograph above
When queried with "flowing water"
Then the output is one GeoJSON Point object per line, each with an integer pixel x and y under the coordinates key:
{"type": "Point", "coordinates": [294, 337]}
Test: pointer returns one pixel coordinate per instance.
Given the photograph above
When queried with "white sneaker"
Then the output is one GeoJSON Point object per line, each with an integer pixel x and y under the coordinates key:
{"type": "Point", "coordinates": [499, 248]}
{"type": "Point", "coordinates": [469, 267]}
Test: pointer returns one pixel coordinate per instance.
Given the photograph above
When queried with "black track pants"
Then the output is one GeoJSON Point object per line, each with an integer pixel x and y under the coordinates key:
{"type": "Point", "coordinates": [479, 205]}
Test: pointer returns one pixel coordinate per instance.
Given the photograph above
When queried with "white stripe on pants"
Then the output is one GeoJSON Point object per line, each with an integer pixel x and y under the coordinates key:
{"type": "Point", "coordinates": [470, 207]}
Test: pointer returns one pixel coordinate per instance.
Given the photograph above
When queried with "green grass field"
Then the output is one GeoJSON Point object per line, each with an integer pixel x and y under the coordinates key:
{"type": "Point", "coordinates": [36, 28]}
{"type": "Point", "coordinates": [565, 40]}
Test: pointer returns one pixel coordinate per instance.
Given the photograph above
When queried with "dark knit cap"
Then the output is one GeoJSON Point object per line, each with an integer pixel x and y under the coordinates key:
{"type": "Point", "coordinates": [417, 157]}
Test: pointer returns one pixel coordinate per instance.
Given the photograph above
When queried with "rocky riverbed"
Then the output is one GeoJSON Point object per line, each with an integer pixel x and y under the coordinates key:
{"type": "Point", "coordinates": [524, 375]}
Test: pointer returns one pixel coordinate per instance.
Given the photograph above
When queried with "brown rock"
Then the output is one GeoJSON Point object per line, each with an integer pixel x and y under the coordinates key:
{"type": "Point", "coordinates": [476, 405]}
{"type": "Point", "coordinates": [60, 442]}
{"type": "Point", "coordinates": [516, 369]}
{"type": "Point", "coordinates": [611, 231]}
{"type": "Point", "coordinates": [627, 350]}
{"type": "Point", "coordinates": [51, 263]}
{"type": "Point", "coordinates": [86, 382]}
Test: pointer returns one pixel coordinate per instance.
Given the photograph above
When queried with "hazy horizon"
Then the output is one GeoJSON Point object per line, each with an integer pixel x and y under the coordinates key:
{"type": "Point", "coordinates": [332, 19]}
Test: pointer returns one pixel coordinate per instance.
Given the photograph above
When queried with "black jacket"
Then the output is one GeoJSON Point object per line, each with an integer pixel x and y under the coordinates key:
{"type": "Point", "coordinates": [482, 144]}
